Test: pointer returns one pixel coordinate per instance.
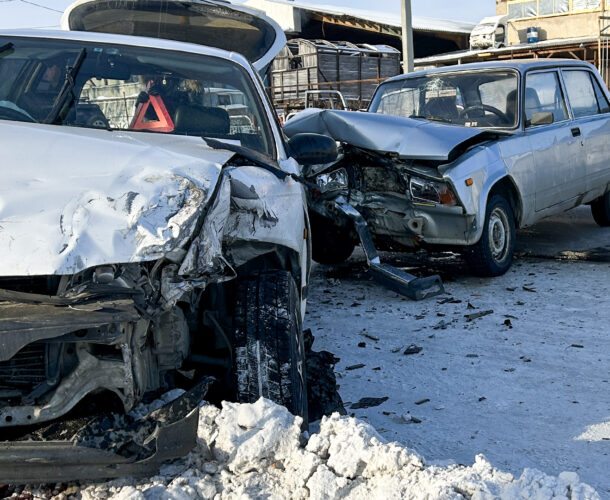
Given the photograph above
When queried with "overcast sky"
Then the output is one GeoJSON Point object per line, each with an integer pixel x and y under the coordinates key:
{"type": "Point", "coordinates": [24, 14]}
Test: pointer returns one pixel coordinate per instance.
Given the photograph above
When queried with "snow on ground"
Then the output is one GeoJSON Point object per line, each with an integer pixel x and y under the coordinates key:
{"type": "Point", "coordinates": [518, 395]}
{"type": "Point", "coordinates": [527, 385]}
{"type": "Point", "coordinates": [257, 451]}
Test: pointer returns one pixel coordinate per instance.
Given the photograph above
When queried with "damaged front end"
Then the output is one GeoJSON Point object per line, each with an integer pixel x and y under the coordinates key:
{"type": "Point", "coordinates": [108, 336]}
{"type": "Point", "coordinates": [392, 182]}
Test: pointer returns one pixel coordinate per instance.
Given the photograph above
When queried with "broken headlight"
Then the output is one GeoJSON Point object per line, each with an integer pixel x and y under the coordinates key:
{"type": "Point", "coordinates": [332, 181]}
{"type": "Point", "coordinates": [427, 191]}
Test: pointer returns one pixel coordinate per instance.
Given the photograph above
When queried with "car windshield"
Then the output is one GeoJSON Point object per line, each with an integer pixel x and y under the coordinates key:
{"type": "Point", "coordinates": [119, 87]}
{"type": "Point", "coordinates": [483, 99]}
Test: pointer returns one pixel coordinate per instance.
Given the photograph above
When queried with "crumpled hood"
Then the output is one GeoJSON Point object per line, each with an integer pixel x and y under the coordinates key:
{"type": "Point", "coordinates": [407, 137]}
{"type": "Point", "coordinates": [74, 198]}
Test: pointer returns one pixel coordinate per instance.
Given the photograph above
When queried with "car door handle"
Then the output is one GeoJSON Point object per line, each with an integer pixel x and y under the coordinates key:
{"type": "Point", "coordinates": [576, 132]}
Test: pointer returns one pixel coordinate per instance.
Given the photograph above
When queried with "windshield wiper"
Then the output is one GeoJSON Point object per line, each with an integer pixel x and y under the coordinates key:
{"type": "Point", "coordinates": [62, 103]}
{"type": "Point", "coordinates": [5, 48]}
{"type": "Point", "coordinates": [433, 118]}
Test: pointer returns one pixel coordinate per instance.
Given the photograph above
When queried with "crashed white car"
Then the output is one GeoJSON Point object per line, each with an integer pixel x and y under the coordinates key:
{"type": "Point", "coordinates": [144, 242]}
{"type": "Point", "coordinates": [460, 157]}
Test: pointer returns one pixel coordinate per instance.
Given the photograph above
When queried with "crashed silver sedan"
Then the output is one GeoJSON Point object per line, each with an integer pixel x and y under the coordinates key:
{"type": "Point", "coordinates": [460, 157]}
{"type": "Point", "coordinates": [147, 241]}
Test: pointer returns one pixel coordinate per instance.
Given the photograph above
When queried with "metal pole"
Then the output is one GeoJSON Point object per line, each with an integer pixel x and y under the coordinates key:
{"type": "Point", "coordinates": [407, 37]}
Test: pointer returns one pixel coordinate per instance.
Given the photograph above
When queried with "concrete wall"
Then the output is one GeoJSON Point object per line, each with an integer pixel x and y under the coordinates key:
{"type": "Point", "coordinates": [583, 24]}
{"type": "Point", "coordinates": [551, 28]}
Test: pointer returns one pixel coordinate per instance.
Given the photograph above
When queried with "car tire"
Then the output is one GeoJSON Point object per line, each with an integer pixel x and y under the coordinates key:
{"type": "Point", "coordinates": [330, 244]}
{"type": "Point", "coordinates": [269, 351]}
{"type": "Point", "coordinates": [492, 255]}
{"type": "Point", "coordinates": [600, 209]}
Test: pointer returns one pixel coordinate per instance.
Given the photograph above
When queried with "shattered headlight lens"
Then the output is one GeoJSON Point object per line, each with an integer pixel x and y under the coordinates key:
{"type": "Point", "coordinates": [332, 181]}
{"type": "Point", "coordinates": [428, 191]}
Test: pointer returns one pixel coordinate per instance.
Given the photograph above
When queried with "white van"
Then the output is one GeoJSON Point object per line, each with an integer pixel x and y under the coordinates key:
{"type": "Point", "coordinates": [489, 33]}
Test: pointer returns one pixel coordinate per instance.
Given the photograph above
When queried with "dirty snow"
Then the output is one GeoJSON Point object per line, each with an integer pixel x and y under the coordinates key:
{"type": "Point", "coordinates": [513, 405]}
{"type": "Point", "coordinates": [527, 385]}
{"type": "Point", "coordinates": [257, 451]}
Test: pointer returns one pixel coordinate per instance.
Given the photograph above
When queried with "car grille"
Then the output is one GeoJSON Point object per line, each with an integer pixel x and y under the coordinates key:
{"type": "Point", "coordinates": [378, 179]}
{"type": "Point", "coordinates": [43, 285]}
{"type": "Point", "coordinates": [25, 370]}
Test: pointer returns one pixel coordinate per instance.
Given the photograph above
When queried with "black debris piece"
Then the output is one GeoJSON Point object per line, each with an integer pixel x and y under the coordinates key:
{"type": "Point", "coordinates": [322, 395]}
{"type": "Point", "coordinates": [480, 314]}
{"type": "Point", "coordinates": [368, 403]}
{"type": "Point", "coordinates": [413, 349]}
{"type": "Point", "coordinates": [355, 367]}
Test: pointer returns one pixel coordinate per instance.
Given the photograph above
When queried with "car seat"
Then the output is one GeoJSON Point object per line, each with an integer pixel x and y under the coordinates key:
{"type": "Point", "coordinates": [201, 120]}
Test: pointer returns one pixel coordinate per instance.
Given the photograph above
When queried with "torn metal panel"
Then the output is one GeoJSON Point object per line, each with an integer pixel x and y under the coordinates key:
{"type": "Point", "coordinates": [21, 324]}
{"type": "Point", "coordinates": [405, 137]}
{"type": "Point", "coordinates": [404, 283]}
{"type": "Point", "coordinates": [99, 451]}
{"type": "Point", "coordinates": [130, 197]}
{"type": "Point", "coordinates": [269, 210]}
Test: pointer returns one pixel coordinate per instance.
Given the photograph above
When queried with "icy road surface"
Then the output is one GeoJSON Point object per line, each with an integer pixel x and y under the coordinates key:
{"type": "Point", "coordinates": [527, 385]}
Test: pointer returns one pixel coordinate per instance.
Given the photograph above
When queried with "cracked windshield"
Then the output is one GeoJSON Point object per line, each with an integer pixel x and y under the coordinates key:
{"type": "Point", "coordinates": [484, 99]}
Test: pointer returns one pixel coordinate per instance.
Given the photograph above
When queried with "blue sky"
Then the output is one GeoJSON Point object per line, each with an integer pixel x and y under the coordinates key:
{"type": "Point", "coordinates": [23, 14]}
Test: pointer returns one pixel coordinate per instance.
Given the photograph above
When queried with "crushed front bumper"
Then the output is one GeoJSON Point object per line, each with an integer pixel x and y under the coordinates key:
{"type": "Point", "coordinates": [167, 433]}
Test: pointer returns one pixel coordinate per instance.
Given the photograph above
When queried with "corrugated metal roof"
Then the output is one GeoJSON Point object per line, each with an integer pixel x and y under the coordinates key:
{"type": "Point", "coordinates": [387, 18]}
{"type": "Point", "coordinates": [455, 56]}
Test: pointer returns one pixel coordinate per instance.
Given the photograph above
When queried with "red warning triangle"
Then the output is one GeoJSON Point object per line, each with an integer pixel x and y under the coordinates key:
{"type": "Point", "coordinates": [163, 123]}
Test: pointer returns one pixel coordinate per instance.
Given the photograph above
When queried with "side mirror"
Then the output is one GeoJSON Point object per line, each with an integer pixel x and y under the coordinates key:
{"type": "Point", "coordinates": [542, 118]}
{"type": "Point", "coordinates": [312, 149]}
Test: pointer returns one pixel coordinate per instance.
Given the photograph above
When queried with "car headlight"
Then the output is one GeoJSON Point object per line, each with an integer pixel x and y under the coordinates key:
{"type": "Point", "coordinates": [332, 181]}
{"type": "Point", "coordinates": [428, 191]}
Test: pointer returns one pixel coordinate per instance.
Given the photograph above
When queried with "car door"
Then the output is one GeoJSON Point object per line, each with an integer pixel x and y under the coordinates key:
{"type": "Point", "coordinates": [556, 147]}
{"type": "Point", "coordinates": [591, 112]}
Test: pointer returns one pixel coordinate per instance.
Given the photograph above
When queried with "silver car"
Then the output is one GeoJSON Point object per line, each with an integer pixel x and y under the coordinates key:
{"type": "Point", "coordinates": [145, 245]}
{"type": "Point", "coordinates": [462, 156]}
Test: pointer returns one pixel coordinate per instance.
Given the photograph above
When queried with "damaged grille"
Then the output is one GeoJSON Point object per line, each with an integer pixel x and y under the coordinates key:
{"type": "Point", "coordinates": [24, 371]}
{"type": "Point", "coordinates": [43, 285]}
{"type": "Point", "coordinates": [376, 179]}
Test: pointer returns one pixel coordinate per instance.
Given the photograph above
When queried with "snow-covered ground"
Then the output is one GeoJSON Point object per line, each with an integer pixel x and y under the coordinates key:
{"type": "Point", "coordinates": [527, 385]}
{"type": "Point", "coordinates": [518, 396]}
{"type": "Point", "coordinates": [257, 452]}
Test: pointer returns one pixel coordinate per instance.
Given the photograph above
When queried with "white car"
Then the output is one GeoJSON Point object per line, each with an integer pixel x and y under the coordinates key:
{"type": "Point", "coordinates": [144, 244]}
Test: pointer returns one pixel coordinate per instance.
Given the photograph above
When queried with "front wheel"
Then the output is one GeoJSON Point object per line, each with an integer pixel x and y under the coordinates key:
{"type": "Point", "coordinates": [600, 209]}
{"type": "Point", "coordinates": [269, 355]}
{"type": "Point", "coordinates": [492, 255]}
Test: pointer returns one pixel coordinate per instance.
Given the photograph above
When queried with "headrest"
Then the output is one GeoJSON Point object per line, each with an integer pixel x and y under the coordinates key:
{"type": "Point", "coordinates": [200, 120]}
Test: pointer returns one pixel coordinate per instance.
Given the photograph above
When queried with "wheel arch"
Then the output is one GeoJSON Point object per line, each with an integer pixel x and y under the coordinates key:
{"type": "Point", "coordinates": [507, 188]}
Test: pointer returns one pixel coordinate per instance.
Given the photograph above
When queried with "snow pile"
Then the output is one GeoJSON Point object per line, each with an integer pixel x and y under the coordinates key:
{"type": "Point", "coordinates": [257, 451]}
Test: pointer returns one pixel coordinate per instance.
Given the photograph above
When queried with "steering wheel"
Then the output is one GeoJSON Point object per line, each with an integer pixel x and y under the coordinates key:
{"type": "Point", "coordinates": [15, 114]}
{"type": "Point", "coordinates": [484, 107]}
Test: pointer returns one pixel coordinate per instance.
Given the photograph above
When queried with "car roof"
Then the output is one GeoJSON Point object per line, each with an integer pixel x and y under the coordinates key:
{"type": "Point", "coordinates": [521, 65]}
{"type": "Point", "coordinates": [134, 41]}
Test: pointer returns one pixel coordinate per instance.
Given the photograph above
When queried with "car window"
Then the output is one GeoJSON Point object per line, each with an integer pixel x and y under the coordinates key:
{"type": "Point", "coordinates": [133, 88]}
{"type": "Point", "coordinates": [602, 100]}
{"type": "Point", "coordinates": [581, 93]}
{"type": "Point", "coordinates": [485, 99]}
{"type": "Point", "coordinates": [543, 95]}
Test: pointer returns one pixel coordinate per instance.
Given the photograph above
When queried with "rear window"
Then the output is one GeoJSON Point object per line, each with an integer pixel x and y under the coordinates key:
{"type": "Point", "coordinates": [204, 24]}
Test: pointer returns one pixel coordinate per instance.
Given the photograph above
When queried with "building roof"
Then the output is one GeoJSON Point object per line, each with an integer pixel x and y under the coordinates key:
{"type": "Point", "coordinates": [455, 57]}
{"type": "Point", "coordinates": [521, 65]}
{"type": "Point", "coordinates": [386, 18]}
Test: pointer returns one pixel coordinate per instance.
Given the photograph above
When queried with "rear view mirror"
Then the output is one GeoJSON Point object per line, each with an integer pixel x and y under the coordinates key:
{"type": "Point", "coordinates": [542, 118]}
{"type": "Point", "coordinates": [312, 149]}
